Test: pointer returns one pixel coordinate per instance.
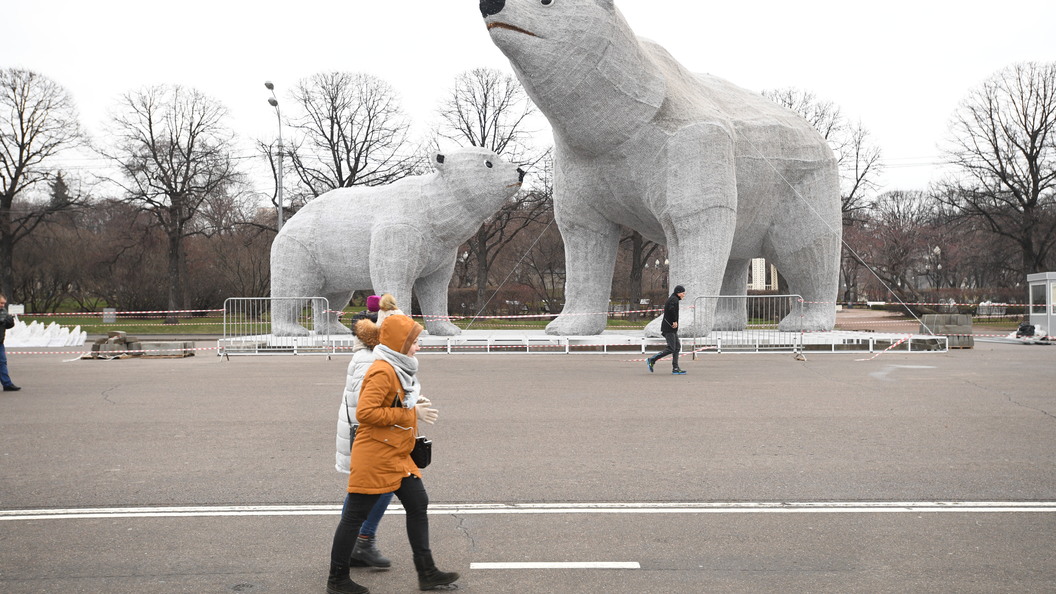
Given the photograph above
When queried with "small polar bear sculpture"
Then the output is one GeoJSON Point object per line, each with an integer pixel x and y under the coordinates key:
{"type": "Point", "coordinates": [387, 238]}
{"type": "Point", "coordinates": [717, 173]}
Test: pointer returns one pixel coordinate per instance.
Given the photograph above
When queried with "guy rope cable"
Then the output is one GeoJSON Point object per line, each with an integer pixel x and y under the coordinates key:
{"type": "Point", "coordinates": [512, 270]}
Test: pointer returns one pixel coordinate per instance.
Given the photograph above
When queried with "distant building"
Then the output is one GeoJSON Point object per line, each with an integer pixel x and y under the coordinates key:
{"type": "Point", "coordinates": [762, 276]}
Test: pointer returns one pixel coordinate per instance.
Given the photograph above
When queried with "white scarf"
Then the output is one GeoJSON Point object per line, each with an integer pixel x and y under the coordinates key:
{"type": "Point", "coordinates": [406, 369]}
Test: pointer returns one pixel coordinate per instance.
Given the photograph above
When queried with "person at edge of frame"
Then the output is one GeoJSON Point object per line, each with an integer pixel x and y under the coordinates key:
{"type": "Point", "coordinates": [7, 321]}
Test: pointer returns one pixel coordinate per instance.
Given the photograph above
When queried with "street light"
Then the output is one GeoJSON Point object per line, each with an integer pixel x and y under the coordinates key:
{"type": "Point", "coordinates": [274, 102]}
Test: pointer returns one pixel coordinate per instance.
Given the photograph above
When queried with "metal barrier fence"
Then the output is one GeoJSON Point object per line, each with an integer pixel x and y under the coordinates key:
{"type": "Point", "coordinates": [749, 323]}
{"type": "Point", "coordinates": [738, 324]}
{"type": "Point", "coordinates": [248, 328]}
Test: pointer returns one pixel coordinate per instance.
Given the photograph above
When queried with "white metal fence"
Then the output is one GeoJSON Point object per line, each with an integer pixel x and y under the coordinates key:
{"type": "Point", "coordinates": [248, 328]}
{"type": "Point", "coordinates": [738, 324]}
{"type": "Point", "coordinates": [749, 323]}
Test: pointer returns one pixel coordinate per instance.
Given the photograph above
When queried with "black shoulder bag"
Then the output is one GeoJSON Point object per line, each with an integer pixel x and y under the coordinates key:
{"type": "Point", "coordinates": [422, 453]}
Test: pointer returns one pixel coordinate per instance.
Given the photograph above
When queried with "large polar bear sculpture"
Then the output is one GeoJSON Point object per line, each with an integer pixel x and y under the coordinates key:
{"type": "Point", "coordinates": [387, 238]}
{"type": "Point", "coordinates": [717, 173]}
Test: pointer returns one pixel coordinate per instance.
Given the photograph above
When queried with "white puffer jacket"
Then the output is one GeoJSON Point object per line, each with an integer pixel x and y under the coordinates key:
{"type": "Point", "coordinates": [357, 368]}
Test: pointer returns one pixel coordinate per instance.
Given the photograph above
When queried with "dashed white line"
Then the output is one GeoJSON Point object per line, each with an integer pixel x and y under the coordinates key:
{"type": "Point", "coordinates": [560, 565]}
{"type": "Point", "coordinates": [820, 507]}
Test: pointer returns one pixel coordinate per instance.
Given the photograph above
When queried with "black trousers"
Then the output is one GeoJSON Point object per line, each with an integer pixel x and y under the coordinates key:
{"type": "Point", "coordinates": [357, 506]}
{"type": "Point", "coordinates": [674, 346]}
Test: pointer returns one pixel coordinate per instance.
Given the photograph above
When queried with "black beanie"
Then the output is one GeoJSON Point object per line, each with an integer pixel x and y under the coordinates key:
{"type": "Point", "coordinates": [678, 289]}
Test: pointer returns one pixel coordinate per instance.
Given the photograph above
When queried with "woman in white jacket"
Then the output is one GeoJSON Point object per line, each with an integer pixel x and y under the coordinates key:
{"type": "Point", "coordinates": [365, 335]}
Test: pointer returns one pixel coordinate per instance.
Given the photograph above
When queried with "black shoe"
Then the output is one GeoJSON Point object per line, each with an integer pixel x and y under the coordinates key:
{"type": "Point", "coordinates": [649, 362]}
{"type": "Point", "coordinates": [678, 371]}
{"type": "Point", "coordinates": [431, 578]}
{"type": "Point", "coordinates": [344, 586]}
{"type": "Point", "coordinates": [340, 583]}
{"type": "Point", "coordinates": [11, 388]}
{"type": "Point", "coordinates": [367, 551]}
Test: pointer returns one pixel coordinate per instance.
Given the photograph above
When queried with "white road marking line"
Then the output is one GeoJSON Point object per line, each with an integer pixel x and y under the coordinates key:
{"type": "Point", "coordinates": [807, 507]}
{"type": "Point", "coordinates": [556, 565]}
{"type": "Point", "coordinates": [883, 373]}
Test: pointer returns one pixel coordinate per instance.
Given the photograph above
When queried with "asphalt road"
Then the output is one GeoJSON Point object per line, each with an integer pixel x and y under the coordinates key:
{"type": "Point", "coordinates": [543, 437]}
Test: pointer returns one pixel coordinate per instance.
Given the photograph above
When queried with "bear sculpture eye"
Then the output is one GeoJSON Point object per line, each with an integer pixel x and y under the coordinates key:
{"type": "Point", "coordinates": [487, 164]}
{"type": "Point", "coordinates": [546, 2]}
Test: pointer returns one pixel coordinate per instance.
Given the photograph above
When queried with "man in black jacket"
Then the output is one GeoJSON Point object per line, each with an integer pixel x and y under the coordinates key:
{"type": "Point", "coordinates": [669, 328]}
{"type": "Point", "coordinates": [6, 322]}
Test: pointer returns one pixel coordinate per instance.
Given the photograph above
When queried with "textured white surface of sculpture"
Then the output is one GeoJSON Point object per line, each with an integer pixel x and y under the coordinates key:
{"type": "Point", "coordinates": [36, 334]}
{"type": "Point", "coordinates": [389, 239]}
{"type": "Point", "coordinates": [717, 173]}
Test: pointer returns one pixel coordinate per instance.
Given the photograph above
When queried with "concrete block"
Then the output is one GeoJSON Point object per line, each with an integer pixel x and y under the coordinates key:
{"type": "Point", "coordinates": [957, 327]}
{"type": "Point", "coordinates": [113, 349]}
{"type": "Point", "coordinates": [168, 349]}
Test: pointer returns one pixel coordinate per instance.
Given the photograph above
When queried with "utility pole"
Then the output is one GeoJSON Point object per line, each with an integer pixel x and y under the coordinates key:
{"type": "Point", "coordinates": [274, 102]}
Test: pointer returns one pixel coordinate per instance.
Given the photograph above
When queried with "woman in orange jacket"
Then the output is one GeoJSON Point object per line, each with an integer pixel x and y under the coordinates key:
{"type": "Point", "coordinates": [390, 405]}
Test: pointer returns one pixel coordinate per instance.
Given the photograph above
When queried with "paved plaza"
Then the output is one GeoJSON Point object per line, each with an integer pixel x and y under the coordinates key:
{"type": "Point", "coordinates": [578, 473]}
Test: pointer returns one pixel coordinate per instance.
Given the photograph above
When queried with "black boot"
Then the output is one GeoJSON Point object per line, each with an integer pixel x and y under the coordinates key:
{"type": "Point", "coordinates": [367, 551]}
{"type": "Point", "coordinates": [429, 577]}
{"type": "Point", "coordinates": [340, 583]}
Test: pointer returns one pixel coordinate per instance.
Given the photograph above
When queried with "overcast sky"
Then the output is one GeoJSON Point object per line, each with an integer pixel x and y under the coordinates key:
{"type": "Point", "coordinates": [900, 66]}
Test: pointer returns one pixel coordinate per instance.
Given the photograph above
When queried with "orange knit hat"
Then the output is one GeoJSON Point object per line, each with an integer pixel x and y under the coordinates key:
{"type": "Point", "coordinates": [399, 333]}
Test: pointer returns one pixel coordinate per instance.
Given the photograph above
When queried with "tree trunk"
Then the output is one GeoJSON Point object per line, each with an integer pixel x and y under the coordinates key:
{"type": "Point", "coordinates": [7, 249]}
{"type": "Point", "coordinates": [1031, 259]}
{"type": "Point", "coordinates": [480, 246]}
{"type": "Point", "coordinates": [637, 247]}
{"type": "Point", "coordinates": [175, 278]}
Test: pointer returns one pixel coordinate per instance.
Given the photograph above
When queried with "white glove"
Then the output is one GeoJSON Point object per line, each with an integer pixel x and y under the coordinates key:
{"type": "Point", "coordinates": [424, 412]}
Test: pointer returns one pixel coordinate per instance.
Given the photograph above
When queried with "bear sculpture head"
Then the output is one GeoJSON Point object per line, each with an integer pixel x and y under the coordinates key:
{"type": "Point", "coordinates": [581, 64]}
{"type": "Point", "coordinates": [472, 175]}
{"type": "Point", "coordinates": [537, 35]}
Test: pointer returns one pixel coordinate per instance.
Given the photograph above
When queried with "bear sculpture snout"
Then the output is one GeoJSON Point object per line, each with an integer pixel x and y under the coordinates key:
{"type": "Point", "coordinates": [490, 7]}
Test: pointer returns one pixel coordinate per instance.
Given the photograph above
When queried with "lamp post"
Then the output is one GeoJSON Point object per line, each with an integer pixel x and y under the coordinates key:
{"type": "Point", "coordinates": [274, 102]}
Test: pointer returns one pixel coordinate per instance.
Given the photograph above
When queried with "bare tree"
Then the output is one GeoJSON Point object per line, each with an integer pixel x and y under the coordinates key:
{"type": "Point", "coordinates": [173, 151]}
{"type": "Point", "coordinates": [543, 264]}
{"type": "Point", "coordinates": [352, 132]}
{"type": "Point", "coordinates": [49, 264]}
{"type": "Point", "coordinates": [1003, 145]}
{"type": "Point", "coordinates": [898, 226]}
{"type": "Point", "coordinates": [500, 230]}
{"type": "Point", "coordinates": [38, 121]}
{"type": "Point", "coordinates": [824, 115]}
{"type": "Point", "coordinates": [641, 252]}
{"type": "Point", "coordinates": [858, 158]}
{"type": "Point", "coordinates": [860, 162]}
{"type": "Point", "coordinates": [489, 108]}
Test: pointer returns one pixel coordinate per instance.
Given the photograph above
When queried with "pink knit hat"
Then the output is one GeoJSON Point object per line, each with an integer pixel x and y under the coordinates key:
{"type": "Point", "coordinates": [372, 303]}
